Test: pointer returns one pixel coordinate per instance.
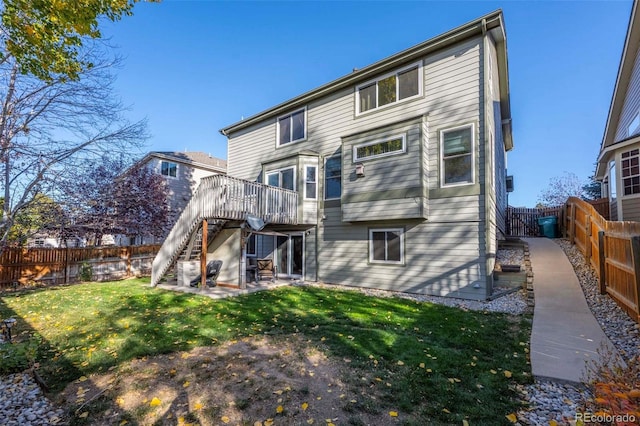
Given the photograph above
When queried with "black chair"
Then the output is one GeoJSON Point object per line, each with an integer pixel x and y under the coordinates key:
{"type": "Point", "coordinates": [213, 270]}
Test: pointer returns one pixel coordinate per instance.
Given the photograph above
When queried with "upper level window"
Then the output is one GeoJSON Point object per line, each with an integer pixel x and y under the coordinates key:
{"type": "Point", "coordinates": [456, 156]}
{"type": "Point", "coordinates": [311, 183]}
{"type": "Point", "coordinates": [631, 172]}
{"type": "Point", "coordinates": [389, 89]}
{"type": "Point", "coordinates": [292, 127]}
{"type": "Point", "coordinates": [382, 148]}
{"type": "Point", "coordinates": [167, 168]}
{"type": "Point", "coordinates": [386, 246]}
{"type": "Point", "coordinates": [333, 178]}
{"type": "Point", "coordinates": [284, 178]}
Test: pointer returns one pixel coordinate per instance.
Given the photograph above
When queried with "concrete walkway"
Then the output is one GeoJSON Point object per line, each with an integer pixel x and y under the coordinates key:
{"type": "Point", "coordinates": [565, 334]}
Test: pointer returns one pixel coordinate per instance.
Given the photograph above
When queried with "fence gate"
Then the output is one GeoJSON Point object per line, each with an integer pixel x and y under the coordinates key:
{"type": "Point", "coordinates": [523, 222]}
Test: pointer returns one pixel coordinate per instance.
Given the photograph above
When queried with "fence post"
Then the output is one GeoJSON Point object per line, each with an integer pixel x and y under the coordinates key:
{"type": "Point", "coordinates": [563, 221]}
{"type": "Point", "coordinates": [572, 226]}
{"type": "Point", "coordinates": [128, 253]}
{"type": "Point", "coordinates": [635, 250]}
{"type": "Point", "coordinates": [587, 239]}
{"type": "Point", "coordinates": [602, 262]}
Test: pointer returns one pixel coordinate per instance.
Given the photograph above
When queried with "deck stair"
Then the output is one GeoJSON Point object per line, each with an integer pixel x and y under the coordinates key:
{"type": "Point", "coordinates": [220, 199]}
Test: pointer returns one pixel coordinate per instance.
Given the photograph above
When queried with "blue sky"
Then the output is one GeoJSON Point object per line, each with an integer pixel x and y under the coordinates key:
{"type": "Point", "coordinates": [193, 67]}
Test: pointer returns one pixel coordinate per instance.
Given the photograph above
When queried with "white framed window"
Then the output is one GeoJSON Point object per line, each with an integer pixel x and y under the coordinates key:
{"type": "Point", "coordinates": [292, 127]}
{"type": "Point", "coordinates": [310, 182]}
{"type": "Point", "coordinates": [634, 125]}
{"type": "Point", "coordinates": [389, 89]}
{"type": "Point", "coordinates": [386, 245]}
{"type": "Point", "coordinates": [630, 168]}
{"type": "Point", "coordinates": [251, 245]}
{"type": "Point", "coordinates": [381, 148]}
{"type": "Point", "coordinates": [457, 160]}
{"type": "Point", "coordinates": [333, 178]}
{"type": "Point", "coordinates": [282, 178]}
{"type": "Point", "coordinates": [169, 169]}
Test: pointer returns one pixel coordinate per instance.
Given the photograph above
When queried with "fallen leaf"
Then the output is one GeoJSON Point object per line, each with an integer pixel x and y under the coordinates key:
{"type": "Point", "coordinates": [186, 384]}
{"type": "Point", "coordinates": [512, 418]}
{"type": "Point", "coordinates": [84, 415]}
{"type": "Point", "coordinates": [553, 423]}
{"type": "Point", "coordinates": [422, 365]}
{"type": "Point", "coordinates": [465, 423]}
{"type": "Point", "coordinates": [268, 422]}
{"type": "Point", "coordinates": [400, 363]}
{"type": "Point", "coordinates": [304, 406]}
{"type": "Point", "coordinates": [279, 409]}
{"type": "Point", "coordinates": [444, 410]}
{"type": "Point", "coordinates": [507, 374]}
{"type": "Point", "coordinates": [393, 413]}
{"type": "Point", "coordinates": [225, 419]}
{"type": "Point", "coordinates": [197, 406]}
{"type": "Point", "coordinates": [493, 371]}
{"type": "Point", "coordinates": [155, 402]}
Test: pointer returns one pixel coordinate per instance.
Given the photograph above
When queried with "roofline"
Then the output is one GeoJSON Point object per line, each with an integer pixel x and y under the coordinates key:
{"type": "Point", "coordinates": [478, 26]}
{"type": "Point", "coordinates": [625, 68]}
{"type": "Point", "coordinates": [162, 155]}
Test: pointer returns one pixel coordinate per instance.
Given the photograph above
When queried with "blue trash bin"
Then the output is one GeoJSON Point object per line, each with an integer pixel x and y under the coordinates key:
{"type": "Point", "coordinates": [548, 226]}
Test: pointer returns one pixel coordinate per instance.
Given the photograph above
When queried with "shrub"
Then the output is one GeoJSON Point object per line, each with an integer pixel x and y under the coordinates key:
{"type": "Point", "coordinates": [85, 272]}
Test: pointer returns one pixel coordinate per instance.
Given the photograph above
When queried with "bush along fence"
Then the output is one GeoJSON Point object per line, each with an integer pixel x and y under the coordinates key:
{"type": "Point", "coordinates": [612, 248]}
{"type": "Point", "coordinates": [20, 267]}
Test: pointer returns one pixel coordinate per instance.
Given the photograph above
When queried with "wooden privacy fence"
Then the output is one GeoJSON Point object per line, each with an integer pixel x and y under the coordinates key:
{"type": "Point", "coordinates": [612, 248]}
{"type": "Point", "coordinates": [50, 266]}
{"type": "Point", "coordinates": [523, 222]}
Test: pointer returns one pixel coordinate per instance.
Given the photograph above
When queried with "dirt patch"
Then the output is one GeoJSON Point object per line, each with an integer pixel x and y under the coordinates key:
{"type": "Point", "coordinates": [262, 380]}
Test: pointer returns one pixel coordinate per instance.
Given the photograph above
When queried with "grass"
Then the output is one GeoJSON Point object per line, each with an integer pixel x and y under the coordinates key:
{"type": "Point", "coordinates": [439, 364]}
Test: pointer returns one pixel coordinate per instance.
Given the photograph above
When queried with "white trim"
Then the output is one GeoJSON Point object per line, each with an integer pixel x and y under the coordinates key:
{"type": "Point", "coordinates": [324, 177]}
{"type": "Point", "coordinates": [169, 162]}
{"type": "Point", "coordinates": [402, 136]}
{"type": "Point", "coordinates": [304, 138]}
{"type": "Point", "coordinates": [387, 75]}
{"type": "Point", "coordinates": [386, 262]}
{"type": "Point", "coordinates": [622, 178]}
{"type": "Point", "coordinates": [274, 171]}
{"type": "Point", "coordinates": [473, 155]}
{"type": "Point", "coordinates": [315, 196]}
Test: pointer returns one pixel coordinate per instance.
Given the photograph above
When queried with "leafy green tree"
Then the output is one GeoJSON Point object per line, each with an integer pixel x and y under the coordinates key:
{"type": "Point", "coordinates": [42, 214]}
{"type": "Point", "coordinates": [45, 36]}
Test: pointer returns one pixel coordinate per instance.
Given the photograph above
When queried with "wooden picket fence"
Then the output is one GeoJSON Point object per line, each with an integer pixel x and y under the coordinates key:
{"type": "Point", "coordinates": [523, 222]}
{"type": "Point", "coordinates": [20, 267]}
{"type": "Point", "coordinates": [612, 248]}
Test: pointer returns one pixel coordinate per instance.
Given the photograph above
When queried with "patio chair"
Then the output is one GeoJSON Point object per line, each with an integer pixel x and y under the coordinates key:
{"type": "Point", "coordinates": [267, 269]}
{"type": "Point", "coordinates": [213, 270]}
{"type": "Point", "coordinates": [252, 269]}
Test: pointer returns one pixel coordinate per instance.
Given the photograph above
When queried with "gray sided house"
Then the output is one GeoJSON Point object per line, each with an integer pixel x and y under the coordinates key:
{"type": "Point", "coordinates": [618, 166]}
{"type": "Point", "coordinates": [396, 172]}
{"type": "Point", "coordinates": [183, 172]}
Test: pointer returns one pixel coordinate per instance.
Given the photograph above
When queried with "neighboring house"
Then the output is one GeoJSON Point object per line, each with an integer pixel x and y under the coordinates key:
{"type": "Point", "coordinates": [183, 171]}
{"type": "Point", "coordinates": [618, 166]}
{"type": "Point", "coordinates": [397, 174]}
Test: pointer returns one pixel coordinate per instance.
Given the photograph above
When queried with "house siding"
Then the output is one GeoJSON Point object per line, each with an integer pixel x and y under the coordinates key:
{"type": "Point", "coordinates": [444, 254]}
{"type": "Point", "coordinates": [631, 105]}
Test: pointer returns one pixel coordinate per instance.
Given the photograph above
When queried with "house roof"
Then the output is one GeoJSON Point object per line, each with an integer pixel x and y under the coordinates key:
{"type": "Point", "coordinates": [197, 159]}
{"type": "Point", "coordinates": [490, 23]}
{"type": "Point", "coordinates": [625, 70]}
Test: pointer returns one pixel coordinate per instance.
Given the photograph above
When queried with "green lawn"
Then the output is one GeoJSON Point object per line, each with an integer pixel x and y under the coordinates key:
{"type": "Point", "coordinates": [443, 364]}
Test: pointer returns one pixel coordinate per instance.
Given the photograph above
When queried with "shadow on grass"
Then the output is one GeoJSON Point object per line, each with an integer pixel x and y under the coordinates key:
{"type": "Point", "coordinates": [431, 358]}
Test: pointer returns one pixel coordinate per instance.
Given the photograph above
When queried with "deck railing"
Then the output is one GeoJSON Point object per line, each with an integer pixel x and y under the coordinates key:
{"type": "Point", "coordinates": [225, 198]}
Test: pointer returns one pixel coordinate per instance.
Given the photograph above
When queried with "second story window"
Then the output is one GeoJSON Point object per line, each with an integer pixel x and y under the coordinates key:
{"type": "Point", "coordinates": [631, 172]}
{"type": "Point", "coordinates": [311, 183]}
{"type": "Point", "coordinates": [169, 169]}
{"type": "Point", "coordinates": [333, 178]}
{"type": "Point", "coordinates": [380, 148]}
{"type": "Point", "coordinates": [391, 88]}
{"type": "Point", "coordinates": [456, 156]}
{"type": "Point", "coordinates": [292, 127]}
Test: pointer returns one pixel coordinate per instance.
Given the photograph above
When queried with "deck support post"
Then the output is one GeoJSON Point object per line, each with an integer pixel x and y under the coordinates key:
{"type": "Point", "coordinates": [203, 255]}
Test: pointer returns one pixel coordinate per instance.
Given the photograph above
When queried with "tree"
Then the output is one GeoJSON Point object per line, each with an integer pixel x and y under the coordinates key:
{"type": "Point", "coordinates": [118, 199]}
{"type": "Point", "coordinates": [48, 129]}
{"type": "Point", "coordinates": [45, 37]}
{"type": "Point", "coordinates": [560, 189]}
{"type": "Point", "coordinates": [592, 190]}
{"type": "Point", "coordinates": [42, 214]}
